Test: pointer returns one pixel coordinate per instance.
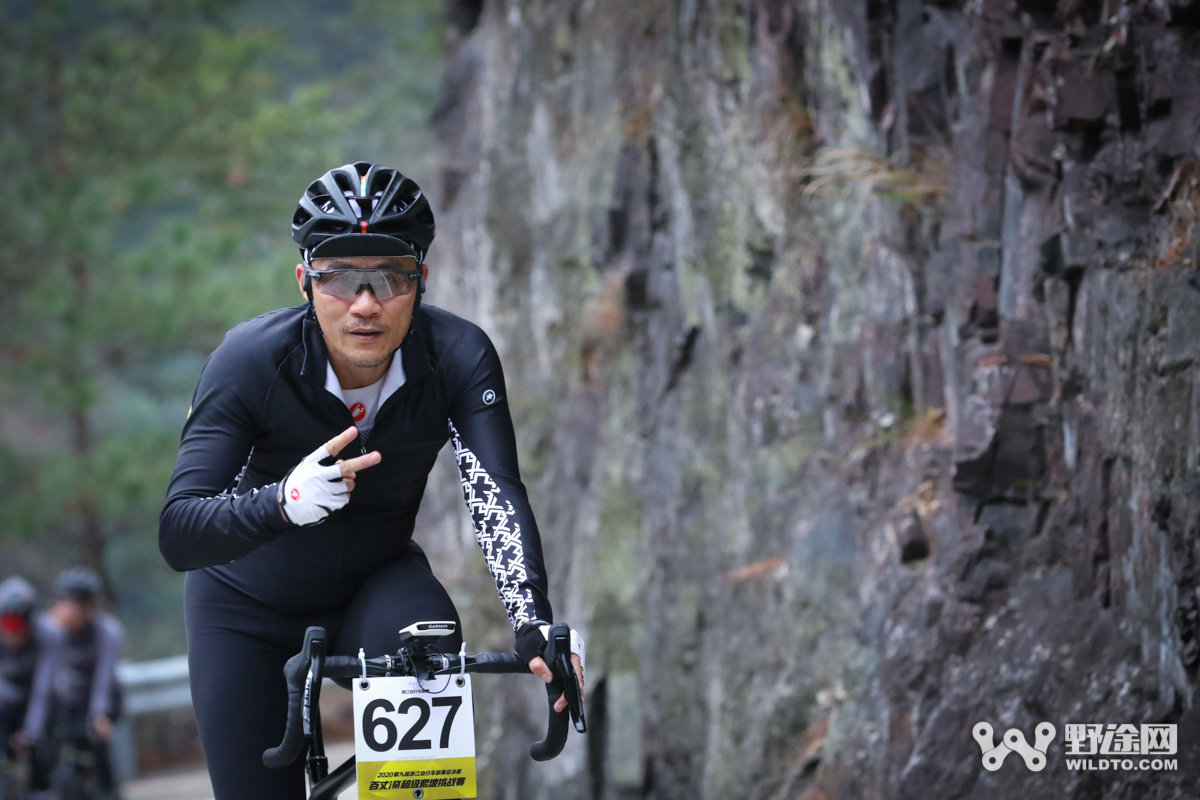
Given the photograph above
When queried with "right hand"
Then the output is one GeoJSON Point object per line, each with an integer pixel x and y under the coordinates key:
{"type": "Point", "coordinates": [100, 728]}
{"type": "Point", "coordinates": [311, 492]}
{"type": "Point", "coordinates": [532, 639]}
{"type": "Point", "coordinates": [20, 741]}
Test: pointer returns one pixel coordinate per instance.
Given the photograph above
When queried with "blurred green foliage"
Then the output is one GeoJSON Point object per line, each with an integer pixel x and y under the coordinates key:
{"type": "Point", "coordinates": [151, 153]}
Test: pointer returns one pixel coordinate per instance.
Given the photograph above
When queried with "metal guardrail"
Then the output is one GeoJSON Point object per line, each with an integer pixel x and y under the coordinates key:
{"type": "Point", "coordinates": [156, 685]}
{"type": "Point", "coordinates": [148, 686]}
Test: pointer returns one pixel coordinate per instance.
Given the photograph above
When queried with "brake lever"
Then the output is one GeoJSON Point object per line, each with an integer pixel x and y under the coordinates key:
{"type": "Point", "coordinates": [558, 648]}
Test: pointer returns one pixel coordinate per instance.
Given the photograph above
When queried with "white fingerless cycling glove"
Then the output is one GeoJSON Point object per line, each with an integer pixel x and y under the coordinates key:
{"type": "Point", "coordinates": [310, 492]}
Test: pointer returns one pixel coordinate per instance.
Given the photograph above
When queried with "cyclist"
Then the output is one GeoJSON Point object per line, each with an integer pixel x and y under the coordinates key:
{"type": "Point", "coordinates": [86, 693]}
{"type": "Point", "coordinates": [29, 651]}
{"type": "Point", "coordinates": [276, 534]}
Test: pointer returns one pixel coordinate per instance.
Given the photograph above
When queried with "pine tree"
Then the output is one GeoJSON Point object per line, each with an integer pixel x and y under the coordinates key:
{"type": "Point", "coordinates": [151, 153]}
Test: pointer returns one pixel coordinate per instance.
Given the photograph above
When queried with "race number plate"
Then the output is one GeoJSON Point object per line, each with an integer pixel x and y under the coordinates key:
{"type": "Point", "coordinates": [414, 739]}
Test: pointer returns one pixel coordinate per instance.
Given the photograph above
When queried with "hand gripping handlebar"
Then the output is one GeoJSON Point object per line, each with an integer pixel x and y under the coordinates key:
{"type": "Point", "coordinates": [310, 665]}
{"type": "Point", "coordinates": [557, 656]}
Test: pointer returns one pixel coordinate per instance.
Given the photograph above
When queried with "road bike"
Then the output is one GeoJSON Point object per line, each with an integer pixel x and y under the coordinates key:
{"type": "Point", "coordinates": [389, 689]}
{"type": "Point", "coordinates": [77, 760]}
{"type": "Point", "coordinates": [14, 774]}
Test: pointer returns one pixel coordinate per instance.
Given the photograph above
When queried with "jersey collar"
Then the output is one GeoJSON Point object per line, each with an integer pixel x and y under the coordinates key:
{"type": "Point", "coordinates": [393, 379]}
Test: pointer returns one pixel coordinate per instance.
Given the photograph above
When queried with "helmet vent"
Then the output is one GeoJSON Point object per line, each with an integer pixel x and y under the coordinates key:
{"type": "Point", "coordinates": [331, 227]}
{"type": "Point", "coordinates": [380, 181]}
{"type": "Point", "coordinates": [345, 184]}
{"type": "Point", "coordinates": [325, 204]}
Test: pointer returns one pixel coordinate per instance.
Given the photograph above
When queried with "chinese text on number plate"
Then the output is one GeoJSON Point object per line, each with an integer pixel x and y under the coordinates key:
{"type": "Point", "coordinates": [414, 739]}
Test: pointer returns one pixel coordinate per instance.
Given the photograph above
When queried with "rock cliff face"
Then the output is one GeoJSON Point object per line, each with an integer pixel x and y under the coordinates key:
{"type": "Point", "coordinates": [852, 348]}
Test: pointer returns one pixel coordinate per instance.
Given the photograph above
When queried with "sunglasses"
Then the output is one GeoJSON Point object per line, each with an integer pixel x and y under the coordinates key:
{"type": "Point", "coordinates": [384, 282]}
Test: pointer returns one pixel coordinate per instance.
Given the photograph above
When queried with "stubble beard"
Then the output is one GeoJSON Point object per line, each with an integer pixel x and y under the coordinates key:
{"type": "Point", "coordinates": [362, 362]}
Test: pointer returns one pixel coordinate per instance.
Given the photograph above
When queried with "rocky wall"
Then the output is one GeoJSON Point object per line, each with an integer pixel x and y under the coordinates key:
{"type": "Point", "coordinates": [852, 348]}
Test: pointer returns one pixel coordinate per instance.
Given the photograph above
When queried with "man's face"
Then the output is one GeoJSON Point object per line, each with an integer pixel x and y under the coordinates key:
{"type": "Point", "coordinates": [73, 614]}
{"type": "Point", "coordinates": [364, 331]}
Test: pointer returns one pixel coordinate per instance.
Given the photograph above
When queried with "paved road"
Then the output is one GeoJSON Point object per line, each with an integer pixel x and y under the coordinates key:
{"type": "Point", "coordinates": [194, 785]}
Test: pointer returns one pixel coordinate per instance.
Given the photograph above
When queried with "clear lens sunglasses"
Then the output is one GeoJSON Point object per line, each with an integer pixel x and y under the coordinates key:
{"type": "Point", "coordinates": [384, 282]}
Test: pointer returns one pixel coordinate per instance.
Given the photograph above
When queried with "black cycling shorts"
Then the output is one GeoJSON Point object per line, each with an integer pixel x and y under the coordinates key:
{"type": "Point", "coordinates": [237, 648]}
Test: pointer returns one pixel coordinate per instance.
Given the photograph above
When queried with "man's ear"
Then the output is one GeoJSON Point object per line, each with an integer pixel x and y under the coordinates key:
{"type": "Point", "coordinates": [300, 276]}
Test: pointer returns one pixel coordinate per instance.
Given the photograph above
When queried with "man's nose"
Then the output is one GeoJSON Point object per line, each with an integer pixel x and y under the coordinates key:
{"type": "Point", "coordinates": [365, 303]}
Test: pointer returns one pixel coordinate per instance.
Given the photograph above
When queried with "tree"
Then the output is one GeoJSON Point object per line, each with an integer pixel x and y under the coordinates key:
{"type": "Point", "coordinates": [152, 153]}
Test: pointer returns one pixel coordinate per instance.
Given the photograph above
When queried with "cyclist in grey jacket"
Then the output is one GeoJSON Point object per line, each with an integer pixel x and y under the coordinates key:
{"type": "Point", "coordinates": [30, 647]}
{"type": "Point", "coordinates": [87, 697]}
{"type": "Point", "coordinates": [304, 460]}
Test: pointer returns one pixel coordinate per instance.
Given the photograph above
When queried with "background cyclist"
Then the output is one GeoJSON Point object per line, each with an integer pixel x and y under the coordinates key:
{"type": "Point", "coordinates": [29, 650]}
{"type": "Point", "coordinates": [276, 534]}
{"type": "Point", "coordinates": [86, 692]}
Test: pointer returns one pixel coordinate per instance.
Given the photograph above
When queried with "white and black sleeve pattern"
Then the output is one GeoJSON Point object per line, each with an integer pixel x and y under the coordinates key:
{"type": "Point", "coordinates": [498, 531]}
{"type": "Point", "coordinates": [485, 448]}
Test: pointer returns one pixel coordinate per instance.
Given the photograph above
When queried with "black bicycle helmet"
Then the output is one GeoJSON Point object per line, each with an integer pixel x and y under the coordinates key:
{"type": "Point", "coordinates": [17, 596]}
{"type": "Point", "coordinates": [78, 583]}
{"type": "Point", "coordinates": [363, 198]}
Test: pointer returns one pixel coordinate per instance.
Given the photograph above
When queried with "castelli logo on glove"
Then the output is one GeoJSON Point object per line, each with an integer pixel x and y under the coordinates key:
{"type": "Point", "coordinates": [322, 489]}
{"type": "Point", "coordinates": [358, 411]}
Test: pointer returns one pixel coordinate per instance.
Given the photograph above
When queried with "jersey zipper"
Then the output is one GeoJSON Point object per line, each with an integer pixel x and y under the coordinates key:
{"type": "Point", "coordinates": [387, 405]}
{"type": "Point", "coordinates": [346, 414]}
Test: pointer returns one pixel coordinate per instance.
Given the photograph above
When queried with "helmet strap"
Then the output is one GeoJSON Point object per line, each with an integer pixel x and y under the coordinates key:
{"type": "Point", "coordinates": [420, 291]}
{"type": "Point", "coordinates": [417, 302]}
{"type": "Point", "coordinates": [308, 290]}
{"type": "Point", "coordinates": [420, 283]}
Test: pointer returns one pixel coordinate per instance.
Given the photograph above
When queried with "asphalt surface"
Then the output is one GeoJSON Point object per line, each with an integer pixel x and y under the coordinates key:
{"type": "Point", "coordinates": [194, 785]}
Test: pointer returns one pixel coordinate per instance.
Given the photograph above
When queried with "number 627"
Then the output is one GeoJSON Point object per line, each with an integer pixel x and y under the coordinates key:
{"type": "Point", "coordinates": [371, 723]}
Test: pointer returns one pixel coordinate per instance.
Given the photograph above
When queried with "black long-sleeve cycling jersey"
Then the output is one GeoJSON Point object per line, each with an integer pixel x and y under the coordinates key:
{"type": "Point", "coordinates": [261, 406]}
